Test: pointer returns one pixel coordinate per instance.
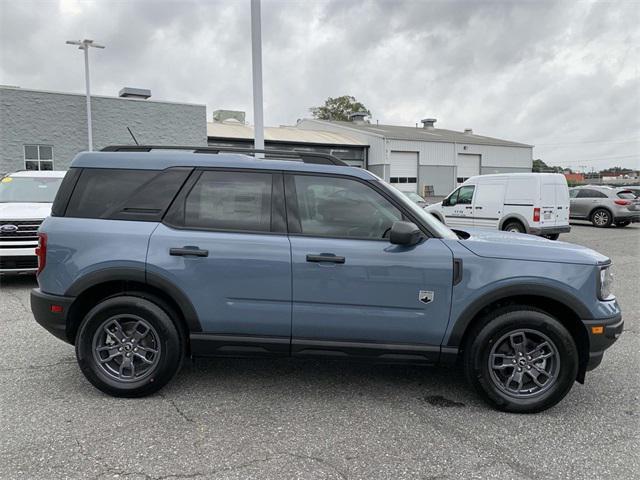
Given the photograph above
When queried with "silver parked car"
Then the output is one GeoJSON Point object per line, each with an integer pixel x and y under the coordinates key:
{"type": "Point", "coordinates": [604, 206]}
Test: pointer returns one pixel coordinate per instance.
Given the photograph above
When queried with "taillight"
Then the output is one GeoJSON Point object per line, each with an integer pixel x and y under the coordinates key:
{"type": "Point", "coordinates": [536, 214]}
{"type": "Point", "coordinates": [41, 252]}
{"type": "Point", "coordinates": [622, 202]}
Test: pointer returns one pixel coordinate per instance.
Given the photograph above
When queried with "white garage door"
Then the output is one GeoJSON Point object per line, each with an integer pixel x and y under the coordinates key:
{"type": "Point", "coordinates": [468, 166]}
{"type": "Point", "coordinates": [404, 171]}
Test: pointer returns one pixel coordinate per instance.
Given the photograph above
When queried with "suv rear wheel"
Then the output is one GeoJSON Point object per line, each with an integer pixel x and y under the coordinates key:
{"type": "Point", "coordinates": [601, 218]}
{"type": "Point", "coordinates": [522, 360]}
{"type": "Point", "coordinates": [128, 347]}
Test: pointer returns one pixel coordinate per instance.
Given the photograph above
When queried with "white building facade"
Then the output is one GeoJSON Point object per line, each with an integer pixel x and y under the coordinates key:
{"type": "Point", "coordinates": [428, 160]}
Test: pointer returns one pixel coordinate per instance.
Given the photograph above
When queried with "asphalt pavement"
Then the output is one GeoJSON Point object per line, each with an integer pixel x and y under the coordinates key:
{"type": "Point", "coordinates": [240, 419]}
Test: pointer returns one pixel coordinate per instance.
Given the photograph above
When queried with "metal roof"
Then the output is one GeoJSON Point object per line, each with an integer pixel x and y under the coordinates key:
{"type": "Point", "coordinates": [281, 134]}
{"type": "Point", "coordinates": [398, 132]}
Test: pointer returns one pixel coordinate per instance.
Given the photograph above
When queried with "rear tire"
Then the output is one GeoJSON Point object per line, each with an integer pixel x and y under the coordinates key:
{"type": "Point", "coordinates": [601, 218]}
{"type": "Point", "coordinates": [622, 224]}
{"type": "Point", "coordinates": [552, 236]}
{"type": "Point", "coordinates": [521, 360]}
{"type": "Point", "coordinates": [514, 226]}
{"type": "Point", "coordinates": [128, 347]}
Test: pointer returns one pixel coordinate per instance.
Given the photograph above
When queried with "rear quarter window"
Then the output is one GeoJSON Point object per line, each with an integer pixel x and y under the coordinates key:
{"type": "Point", "coordinates": [125, 194]}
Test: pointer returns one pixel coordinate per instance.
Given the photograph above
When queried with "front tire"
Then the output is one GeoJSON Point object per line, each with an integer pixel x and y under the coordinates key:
{"type": "Point", "coordinates": [601, 218]}
{"type": "Point", "coordinates": [128, 347]}
{"type": "Point", "coordinates": [521, 360]}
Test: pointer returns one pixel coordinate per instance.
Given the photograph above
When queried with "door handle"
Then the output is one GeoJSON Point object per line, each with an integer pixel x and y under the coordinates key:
{"type": "Point", "coordinates": [325, 257]}
{"type": "Point", "coordinates": [468, 208]}
{"type": "Point", "coordinates": [188, 250]}
{"type": "Point", "coordinates": [479, 208]}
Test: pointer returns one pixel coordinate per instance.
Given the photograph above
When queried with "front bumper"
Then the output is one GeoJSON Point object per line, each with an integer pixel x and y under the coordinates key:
{"type": "Point", "coordinates": [598, 342]}
{"type": "Point", "coordinates": [16, 258]}
{"type": "Point", "coordinates": [51, 312]}
{"type": "Point", "coordinates": [549, 230]}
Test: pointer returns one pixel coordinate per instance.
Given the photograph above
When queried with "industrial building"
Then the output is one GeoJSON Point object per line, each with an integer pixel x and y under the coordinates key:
{"type": "Point", "coordinates": [45, 130]}
{"type": "Point", "coordinates": [229, 129]}
{"type": "Point", "coordinates": [425, 159]}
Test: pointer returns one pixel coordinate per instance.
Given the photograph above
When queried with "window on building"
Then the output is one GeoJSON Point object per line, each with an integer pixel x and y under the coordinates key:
{"type": "Point", "coordinates": [38, 157]}
{"type": "Point", "coordinates": [393, 180]}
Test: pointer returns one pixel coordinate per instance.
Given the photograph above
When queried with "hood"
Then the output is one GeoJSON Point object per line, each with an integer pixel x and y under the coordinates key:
{"type": "Point", "coordinates": [24, 211]}
{"type": "Point", "coordinates": [519, 246]}
{"type": "Point", "coordinates": [433, 206]}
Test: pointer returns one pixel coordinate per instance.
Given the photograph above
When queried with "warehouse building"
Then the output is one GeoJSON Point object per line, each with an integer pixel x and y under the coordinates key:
{"type": "Point", "coordinates": [45, 130]}
{"type": "Point", "coordinates": [425, 159]}
{"type": "Point", "coordinates": [229, 129]}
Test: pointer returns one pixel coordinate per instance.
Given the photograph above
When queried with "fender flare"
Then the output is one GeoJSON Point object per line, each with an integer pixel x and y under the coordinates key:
{"type": "Point", "coordinates": [523, 289]}
{"type": "Point", "coordinates": [138, 274]}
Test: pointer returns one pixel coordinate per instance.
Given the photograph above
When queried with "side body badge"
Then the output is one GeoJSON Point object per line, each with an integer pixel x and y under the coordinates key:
{"type": "Point", "coordinates": [425, 296]}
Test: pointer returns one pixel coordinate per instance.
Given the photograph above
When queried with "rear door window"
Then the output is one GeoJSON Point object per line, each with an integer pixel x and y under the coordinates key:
{"type": "Point", "coordinates": [235, 201]}
{"type": "Point", "coordinates": [589, 193]}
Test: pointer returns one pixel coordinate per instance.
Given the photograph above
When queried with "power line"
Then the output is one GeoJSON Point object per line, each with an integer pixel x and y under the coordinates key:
{"type": "Point", "coordinates": [634, 140]}
{"type": "Point", "coordinates": [601, 158]}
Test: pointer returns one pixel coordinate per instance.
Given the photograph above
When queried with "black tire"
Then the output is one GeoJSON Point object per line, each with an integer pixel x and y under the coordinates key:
{"type": "Point", "coordinates": [514, 226]}
{"type": "Point", "coordinates": [601, 218]}
{"type": "Point", "coordinates": [482, 348]}
{"type": "Point", "coordinates": [134, 315]}
{"type": "Point", "coordinates": [622, 224]}
{"type": "Point", "coordinates": [552, 236]}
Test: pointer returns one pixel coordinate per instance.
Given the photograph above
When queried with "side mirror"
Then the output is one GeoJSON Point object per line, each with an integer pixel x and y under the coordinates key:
{"type": "Point", "coordinates": [445, 202]}
{"type": "Point", "coordinates": [404, 233]}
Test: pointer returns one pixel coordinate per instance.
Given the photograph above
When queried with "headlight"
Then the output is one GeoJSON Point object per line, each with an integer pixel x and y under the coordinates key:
{"type": "Point", "coordinates": [605, 283]}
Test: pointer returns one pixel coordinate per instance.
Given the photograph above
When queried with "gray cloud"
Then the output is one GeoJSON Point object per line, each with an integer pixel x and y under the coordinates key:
{"type": "Point", "coordinates": [564, 76]}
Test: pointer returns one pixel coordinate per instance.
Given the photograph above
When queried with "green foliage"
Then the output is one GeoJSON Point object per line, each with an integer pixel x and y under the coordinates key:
{"type": "Point", "coordinates": [540, 166]}
{"type": "Point", "coordinates": [338, 108]}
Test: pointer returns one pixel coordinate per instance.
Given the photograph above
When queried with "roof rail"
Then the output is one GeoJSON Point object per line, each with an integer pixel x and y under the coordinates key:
{"type": "Point", "coordinates": [305, 157]}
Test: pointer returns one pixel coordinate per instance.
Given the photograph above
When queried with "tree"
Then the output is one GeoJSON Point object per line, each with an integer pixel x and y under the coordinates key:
{"type": "Point", "coordinates": [540, 166]}
{"type": "Point", "coordinates": [338, 108]}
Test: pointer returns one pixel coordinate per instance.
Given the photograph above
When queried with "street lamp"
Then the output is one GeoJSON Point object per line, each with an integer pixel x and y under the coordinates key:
{"type": "Point", "coordinates": [84, 45]}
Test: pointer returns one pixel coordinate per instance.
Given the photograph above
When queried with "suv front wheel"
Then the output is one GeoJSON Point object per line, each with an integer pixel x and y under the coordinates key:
{"type": "Point", "coordinates": [521, 360]}
{"type": "Point", "coordinates": [128, 347]}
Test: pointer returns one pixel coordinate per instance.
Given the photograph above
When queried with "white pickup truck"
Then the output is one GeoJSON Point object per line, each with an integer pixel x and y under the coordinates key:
{"type": "Point", "coordinates": [25, 201]}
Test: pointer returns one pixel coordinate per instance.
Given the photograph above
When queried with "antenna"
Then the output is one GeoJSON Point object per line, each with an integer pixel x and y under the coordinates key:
{"type": "Point", "coordinates": [132, 136]}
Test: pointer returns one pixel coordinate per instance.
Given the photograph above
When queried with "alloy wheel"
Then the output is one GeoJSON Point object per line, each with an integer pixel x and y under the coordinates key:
{"type": "Point", "coordinates": [126, 348]}
{"type": "Point", "coordinates": [601, 218]}
{"type": "Point", "coordinates": [524, 363]}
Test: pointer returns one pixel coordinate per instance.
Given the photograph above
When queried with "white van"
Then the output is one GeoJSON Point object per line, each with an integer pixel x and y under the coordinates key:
{"type": "Point", "coordinates": [535, 203]}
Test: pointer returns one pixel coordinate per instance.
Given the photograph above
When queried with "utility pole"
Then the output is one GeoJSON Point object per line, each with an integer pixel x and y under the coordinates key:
{"type": "Point", "coordinates": [84, 45]}
{"type": "Point", "coordinates": [256, 61]}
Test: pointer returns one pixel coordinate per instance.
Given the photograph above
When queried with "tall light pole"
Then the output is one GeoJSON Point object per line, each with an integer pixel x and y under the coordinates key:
{"type": "Point", "coordinates": [256, 61]}
{"type": "Point", "coordinates": [84, 45]}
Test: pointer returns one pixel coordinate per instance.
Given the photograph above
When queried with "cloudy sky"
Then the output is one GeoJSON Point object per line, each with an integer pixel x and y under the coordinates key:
{"type": "Point", "coordinates": [564, 76]}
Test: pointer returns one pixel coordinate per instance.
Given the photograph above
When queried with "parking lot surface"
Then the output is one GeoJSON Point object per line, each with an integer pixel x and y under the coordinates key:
{"type": "Point", "coordinates": [310, 419]}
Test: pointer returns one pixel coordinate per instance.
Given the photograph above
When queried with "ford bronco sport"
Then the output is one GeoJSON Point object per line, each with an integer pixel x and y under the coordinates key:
{"type": "Point", "coordinates": [150, 256]}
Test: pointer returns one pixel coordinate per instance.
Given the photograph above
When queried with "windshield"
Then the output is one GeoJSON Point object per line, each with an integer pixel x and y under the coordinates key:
{"type": "Point", "coordinates": [432, 222]}
{"type": "Point", "coordinates": [413, 196]}
{"type": "Point", "coordinates": [29, 189]}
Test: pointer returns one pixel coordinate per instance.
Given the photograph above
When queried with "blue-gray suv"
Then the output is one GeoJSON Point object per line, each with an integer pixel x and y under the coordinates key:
{"type": "Point", "coordinates": [152, 256]}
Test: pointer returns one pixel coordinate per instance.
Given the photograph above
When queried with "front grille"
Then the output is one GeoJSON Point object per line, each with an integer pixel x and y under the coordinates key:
{"type": "Point", "coordinates": [26, 230]}
{"type": "Point", "coordinates": [15, 263]}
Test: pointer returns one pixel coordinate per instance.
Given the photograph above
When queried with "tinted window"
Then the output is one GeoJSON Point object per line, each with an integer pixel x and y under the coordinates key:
{"type": "Point", "coordinates": [230, 201]}
{"type": "Point", "coordinates": [588, 193]}
{"type": "Point", "coordinates": [627, 194]}
{"type": "Point", "coordinates": [99, 192]}
{"type": "Point", "coordinates": [339, 207]}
